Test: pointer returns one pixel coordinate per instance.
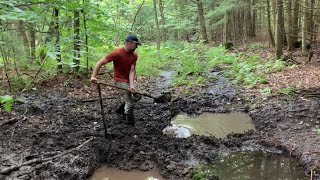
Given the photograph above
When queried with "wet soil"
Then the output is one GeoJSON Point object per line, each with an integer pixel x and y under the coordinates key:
{"type": "Point", "coordinates": [56, 131]}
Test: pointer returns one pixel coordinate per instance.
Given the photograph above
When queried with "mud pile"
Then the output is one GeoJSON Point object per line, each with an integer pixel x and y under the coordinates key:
{"type": "Point", "coordinates": [54, 135]}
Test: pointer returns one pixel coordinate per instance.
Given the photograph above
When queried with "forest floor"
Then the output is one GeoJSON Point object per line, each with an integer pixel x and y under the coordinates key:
{"type": "Point", "coordinates": [56, 132]}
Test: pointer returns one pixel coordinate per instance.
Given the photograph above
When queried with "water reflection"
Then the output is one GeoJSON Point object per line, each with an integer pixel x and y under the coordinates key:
{"type": "Point", "coordinates": [212, 124]}
{"type": "Point", "coordinates": [257, 166]}
{"type": "Point", "coordinates": [106, 173]}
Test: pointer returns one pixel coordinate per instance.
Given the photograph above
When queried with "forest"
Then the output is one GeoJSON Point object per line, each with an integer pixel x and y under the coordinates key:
{"type": "Point", "coordinates": [258, 57]}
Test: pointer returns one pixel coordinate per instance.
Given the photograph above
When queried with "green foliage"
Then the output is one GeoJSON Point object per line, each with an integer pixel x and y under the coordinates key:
{"type": "Point", "coordinates": [266, 91]}
{"type": "Point", "coordinates": [243, 68]}
{"type": "Point", "coordinates": [149, 61]}
{"type": "Point", "coordinates": [289, 91]}
{"type": "Point", "coordinates": [317, 130]}
{"type": "Point", "coordinates": [200, 173]}
{"type": "Point", "coordinates": [273, 66]}
{"type": "Point", "coordinates": [6, 102]}
{"type": "Point", "coordinates": [190, 69]}
{"type": "Point", "coordinates": [20, 82]}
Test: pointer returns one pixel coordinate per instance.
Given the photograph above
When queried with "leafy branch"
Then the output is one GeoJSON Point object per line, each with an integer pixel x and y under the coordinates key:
{"type": "Point", "coordinates": [6, 102]}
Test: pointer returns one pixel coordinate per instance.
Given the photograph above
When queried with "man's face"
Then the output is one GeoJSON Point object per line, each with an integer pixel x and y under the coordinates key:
{"type": "Point", "coordinates": [132, 45]}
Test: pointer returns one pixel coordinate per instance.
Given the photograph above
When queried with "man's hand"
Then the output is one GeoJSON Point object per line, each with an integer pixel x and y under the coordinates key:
{"type": "Point", "coordinates": [132, 89]}
{"type": "Point", "coordinates": [94, 79]}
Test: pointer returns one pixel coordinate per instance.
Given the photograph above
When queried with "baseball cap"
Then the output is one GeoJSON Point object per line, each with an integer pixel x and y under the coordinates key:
{"type": "Point", "coordinates": [133, 37]}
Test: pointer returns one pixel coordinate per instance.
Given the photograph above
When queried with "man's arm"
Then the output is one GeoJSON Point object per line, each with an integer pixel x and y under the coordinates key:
{"type": "Point", "coordinates": [131, 78]}
{"type": "Point", "coordinates": [96, 69]}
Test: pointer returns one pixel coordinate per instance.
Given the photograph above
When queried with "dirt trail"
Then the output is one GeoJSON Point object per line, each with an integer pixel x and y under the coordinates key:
{"type": "Point", "coordinates": [58, 136]}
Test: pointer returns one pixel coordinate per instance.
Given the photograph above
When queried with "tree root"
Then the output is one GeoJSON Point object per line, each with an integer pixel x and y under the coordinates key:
{"type": "Point", "coordinates": [41, 160]}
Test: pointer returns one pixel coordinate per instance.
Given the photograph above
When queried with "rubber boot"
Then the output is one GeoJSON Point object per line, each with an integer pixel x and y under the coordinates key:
{"type": "Point", "coordinates": [130, 119]}
{"type": "Point", "coordinates": [120, 109]}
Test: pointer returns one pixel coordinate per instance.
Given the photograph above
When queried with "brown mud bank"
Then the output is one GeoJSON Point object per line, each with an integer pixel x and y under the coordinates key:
{"type": "Point", "coordinates": [53, 134]}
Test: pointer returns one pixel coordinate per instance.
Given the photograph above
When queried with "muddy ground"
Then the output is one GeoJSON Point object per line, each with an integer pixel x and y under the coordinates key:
{"type": "Point", "coordinates": [56, 132]}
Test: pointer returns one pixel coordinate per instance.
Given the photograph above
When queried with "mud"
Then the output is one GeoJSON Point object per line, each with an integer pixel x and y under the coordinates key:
{"type": "Point", "coordinates": [52, 133]}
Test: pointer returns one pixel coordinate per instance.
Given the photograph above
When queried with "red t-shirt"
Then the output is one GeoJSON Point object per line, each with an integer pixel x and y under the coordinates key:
{"type": "Point", "coordinates": [122, 62]}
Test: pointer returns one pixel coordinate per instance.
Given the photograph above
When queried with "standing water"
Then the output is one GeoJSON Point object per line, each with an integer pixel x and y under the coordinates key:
{"type": "Point", "coordinates": [210, 124]}
{"type": "Point", "coordinates": [106, 173]}
{"type": "Point", "coordinates": [255, 166]}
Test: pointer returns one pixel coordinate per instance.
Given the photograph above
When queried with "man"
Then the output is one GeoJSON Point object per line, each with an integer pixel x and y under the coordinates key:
{"type": "Point", "coordinates": [124, 63]}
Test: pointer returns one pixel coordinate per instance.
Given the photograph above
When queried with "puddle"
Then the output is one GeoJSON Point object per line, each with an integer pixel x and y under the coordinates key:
{"type": "Point", "coordinates": [211, 124]}
{"type": "Point", "coordinates": [106, 173]}
{"type": "Point", "coordinates": [255, 165]}
{"type": "Point", "coordinates": [168, 76]}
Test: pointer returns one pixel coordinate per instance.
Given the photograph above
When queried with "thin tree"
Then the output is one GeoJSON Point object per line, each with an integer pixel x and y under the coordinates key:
{"type": "Point", "coordinates": [225, 27]}
{"type": "Point", "coordinates": [157, 24]}
{"type": "Point", "coordinates": [57, 36]}
{"type": "Point", "coordinates": [270, 33]}
{"type": "Point", "coordinates": [305, 26]}
{"type": "Point", "coordinates": [279, 40]}
{"type": "Point", "coordinates": [295, 22]}
{"type": "Point", "coordinates": [163, 20]}
{"type": "Point", "coordinates": [76, 41]}
{"type": "Point", "coordinates": [202, 22]}
{"type": "Point", "coordinates": [32, 43]}
{"type": "Point", "coordinates": [23, 33]}
{"type": "Point", "coordinates": [85, 34]}
{"type": "Point", "coordinates": [289, 25]}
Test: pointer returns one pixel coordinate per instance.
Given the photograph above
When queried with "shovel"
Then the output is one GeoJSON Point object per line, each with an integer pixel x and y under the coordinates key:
{"type": "Point", "coordinates": [102, 111]}
{"type": "Point", "coordinates": [163, 98]}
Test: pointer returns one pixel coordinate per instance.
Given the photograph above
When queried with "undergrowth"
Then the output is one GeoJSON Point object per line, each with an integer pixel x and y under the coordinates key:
{"type": "Point", "coordinates": [191, 64]}
{"type": "Point", "coordinates": [6, 103]}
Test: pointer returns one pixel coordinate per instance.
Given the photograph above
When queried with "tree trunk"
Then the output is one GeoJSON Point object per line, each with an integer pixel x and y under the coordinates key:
{"type": "Point", "coordinates": [163, 21]}
{"type": "Point", "coordinates": [234, 29]}
{"type": "Point", "coordinates": [311, 20]}
{"type": "Point", "coordinates": [49, 36]}
{"type": "Point", "coordinates": [225, 27]}
{"type": "Point", "coordinates": [279, 40]}
{"type": "Point", "coordinates": [253, 19]}
{"type": "Point", "coordinates": [202, 23]}
{"type": "Point", "coordinates": [76, 42]}
{"type": "Point", "coordinates": [271, 38]}
{"type": "Point", "coordinates": [248, 22]}
{"type": "Point", "coordinates": [157, 24]}
{"type": "Point", "coordinates": [289, 25]}
{"type": "Point", "coordinates": [305, 26]}
{"type": "Point", "coordinates": [57, 36]}
{"type": "Point", "coordinates": [86, 37]}
{"type": "Point", "coordinates": [274, 14]}
{"type": "Point", "coordinates": [5, 62]}
{"type": "Point", "coordinates": [283, 30]}
{"type": "Point", "coordinates": [131, 3]}
{"type": "Point", "coordinates": [33, 43]}
{"type": "Point", "coordinates": [241, 25]}
{"type": "Point", "coordinates": [295, 23]}
{"type": "Point", "coordinates": [25, 40]}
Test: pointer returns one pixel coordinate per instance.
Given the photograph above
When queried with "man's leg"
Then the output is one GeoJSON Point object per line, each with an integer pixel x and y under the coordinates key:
{"type": "Point", "coordinates": [129, 102]}
{"type": "Point", "coordinates": [136, 97]}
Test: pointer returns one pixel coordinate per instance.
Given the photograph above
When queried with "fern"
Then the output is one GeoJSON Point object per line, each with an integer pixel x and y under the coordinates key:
{"type": "Point", "coordinates": [6, 102]}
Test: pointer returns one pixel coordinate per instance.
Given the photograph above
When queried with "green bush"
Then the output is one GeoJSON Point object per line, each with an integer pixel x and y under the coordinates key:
{"type": "Point", "coordinates": [6, 102]}
{"type": "Point", "coordinates": [289, 91]}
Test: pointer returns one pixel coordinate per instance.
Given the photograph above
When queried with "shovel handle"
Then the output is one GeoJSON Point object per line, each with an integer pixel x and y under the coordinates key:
{"type": "Point", "coordinates": [110, 85]}
{"type": "Point", "coordinates": [102, 111]}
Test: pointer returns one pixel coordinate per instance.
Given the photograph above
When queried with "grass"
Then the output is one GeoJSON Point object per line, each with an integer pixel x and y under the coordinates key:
{"type": "Point", "coordinates": [191, 63]}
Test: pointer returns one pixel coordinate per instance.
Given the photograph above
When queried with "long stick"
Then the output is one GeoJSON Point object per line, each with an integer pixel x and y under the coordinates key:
{"type": "Point", "coordinates": [143, 94]}
{"type": "Point", "coordinates": [102, 112]}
